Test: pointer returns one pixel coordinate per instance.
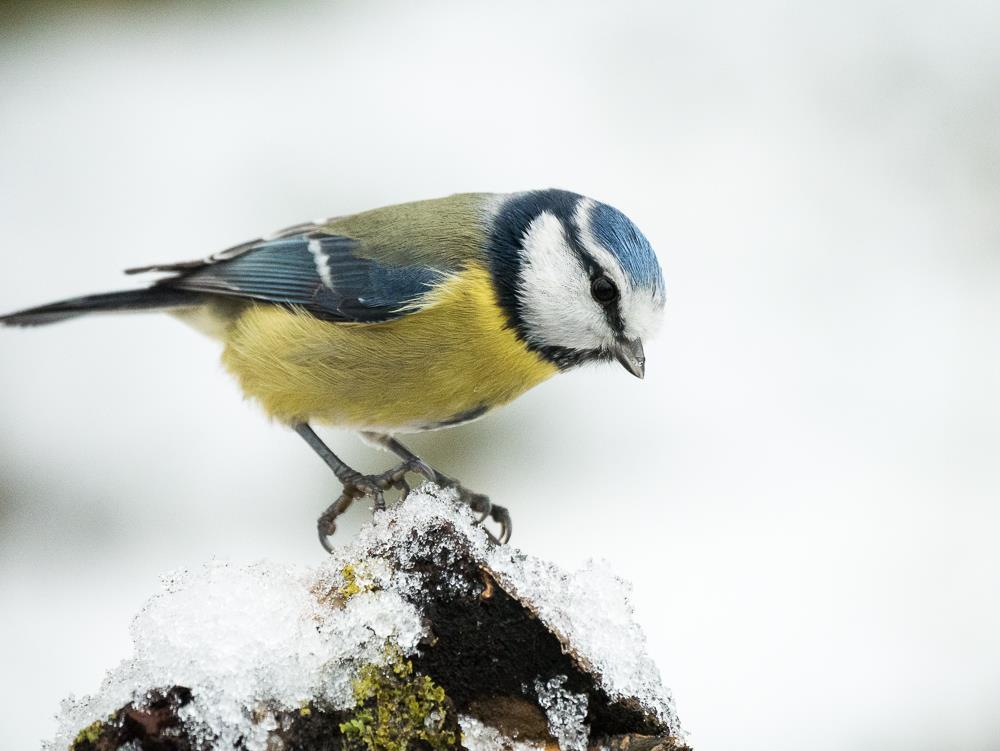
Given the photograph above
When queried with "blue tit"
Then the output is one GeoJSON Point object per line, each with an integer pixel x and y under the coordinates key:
{"type": "Point", "coordinates": [411, 317]}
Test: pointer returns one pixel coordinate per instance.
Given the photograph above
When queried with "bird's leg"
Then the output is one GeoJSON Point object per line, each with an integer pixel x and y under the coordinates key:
{"type": "Point", "coordinates": [478, 502]}
{"type": "Point", "coordinates": [355, 484]}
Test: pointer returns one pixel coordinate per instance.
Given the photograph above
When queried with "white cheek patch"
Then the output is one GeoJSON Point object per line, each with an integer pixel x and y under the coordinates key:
{"type": "Point", "coordinates": [555, 291]}
{"type": "Point", "coordinates": [643, 314]}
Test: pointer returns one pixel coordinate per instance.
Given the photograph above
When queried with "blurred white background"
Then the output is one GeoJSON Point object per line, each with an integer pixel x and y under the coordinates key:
{"type": "Point", "coordinates": [805, 488]}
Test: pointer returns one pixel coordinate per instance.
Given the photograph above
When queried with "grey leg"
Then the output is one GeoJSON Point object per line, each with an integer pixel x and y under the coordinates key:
{"type": "Point", "coordinates": [355, 484]}
{"type": "Point", "coordinates": [478, 502]}
{"type": "Point", "coordinates": [343, 472]}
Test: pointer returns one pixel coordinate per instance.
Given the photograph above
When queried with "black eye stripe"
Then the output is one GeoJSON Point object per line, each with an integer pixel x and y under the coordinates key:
{"type": "Point", "coordinates": [606, 293]}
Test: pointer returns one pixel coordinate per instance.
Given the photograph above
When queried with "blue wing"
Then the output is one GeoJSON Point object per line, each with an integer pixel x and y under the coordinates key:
{"type": "Point", "coordinates": [314, 270]}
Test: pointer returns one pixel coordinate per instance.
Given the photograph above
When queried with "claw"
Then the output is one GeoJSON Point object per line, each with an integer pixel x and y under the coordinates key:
{"type": "Point", "coordinates": [404, 489]}
{"type": "Point", "coordinates": [358, 485]}
{"type": "Point", "coordinates": [502, 517]}
{"type": "Point", "coordinates": [420, 467]}
{"type": "Point", "coordinates": [482, 505]}
{"type": "Point", "coordinates": [326, 525]}
{"type": "Point", "coordinates": [324, 539]}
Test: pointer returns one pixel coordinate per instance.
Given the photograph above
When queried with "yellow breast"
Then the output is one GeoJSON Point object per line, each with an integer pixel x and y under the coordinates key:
{"type": "Point", "coordinates": [452, 359]}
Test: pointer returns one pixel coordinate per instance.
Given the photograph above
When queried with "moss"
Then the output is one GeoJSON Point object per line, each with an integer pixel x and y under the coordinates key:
{"type": "Point", "coordinates": [398, 710]}
{"type": "Point", "coordinates": [89, 735]}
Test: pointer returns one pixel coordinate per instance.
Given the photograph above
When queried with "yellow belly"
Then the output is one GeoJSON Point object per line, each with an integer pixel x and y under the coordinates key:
{"type": "Point", "coordinates": [453, 359]}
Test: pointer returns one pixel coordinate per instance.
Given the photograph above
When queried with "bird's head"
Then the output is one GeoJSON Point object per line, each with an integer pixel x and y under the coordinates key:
{"type": "Point", "coordinates": [578, 279]}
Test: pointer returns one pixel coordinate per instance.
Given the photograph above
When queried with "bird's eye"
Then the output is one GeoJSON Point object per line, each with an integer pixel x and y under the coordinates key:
{"type": "Point", "coordinates": [603, 290]}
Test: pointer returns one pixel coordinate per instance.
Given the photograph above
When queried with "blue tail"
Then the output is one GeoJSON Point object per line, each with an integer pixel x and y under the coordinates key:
{"type": "Point", "coordinates": [153, 298]}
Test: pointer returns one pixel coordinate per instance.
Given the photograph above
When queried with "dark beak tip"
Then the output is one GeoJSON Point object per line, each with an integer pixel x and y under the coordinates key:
{"type": "Point", "coordinates": [632, 358]}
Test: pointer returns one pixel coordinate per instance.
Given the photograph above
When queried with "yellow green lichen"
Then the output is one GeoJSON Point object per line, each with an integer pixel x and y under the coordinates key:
{"type": "Point", "coordinates": [355, 582]}
{"type": "Point", "coordinates": [396, 708]}
{"type": "Point", "coordinates": [90, 734]}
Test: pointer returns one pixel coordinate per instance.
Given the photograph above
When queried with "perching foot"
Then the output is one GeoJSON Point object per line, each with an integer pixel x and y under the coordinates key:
{"type": "Point", "coordinates": [476, 501]}
{"type": "Point", "coordinates": [482, 505]}
{"type": "Point", "coordinates": [357, 486]}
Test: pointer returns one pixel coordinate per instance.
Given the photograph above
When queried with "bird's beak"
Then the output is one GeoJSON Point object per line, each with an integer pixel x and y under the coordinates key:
{"type": "Point", "coordinates": [631, 356]}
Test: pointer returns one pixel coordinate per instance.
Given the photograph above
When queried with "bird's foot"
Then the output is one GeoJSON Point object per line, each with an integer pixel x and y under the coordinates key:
{"type": "Point", "coordinates": [482, 505]}
{"type": "Point", "coordinates": [478, 502]}
{"type": "Point", "coordinates": [357, 486]}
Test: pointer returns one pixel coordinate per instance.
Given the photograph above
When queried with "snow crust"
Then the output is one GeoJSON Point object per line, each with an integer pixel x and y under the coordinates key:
{"type": "Point", "coordinates": [566, 713]}
{"type": "Point", "coordinates": [265, 637]}
{"type": "Point", "coordinates": [477, 736]}
{"type": "Point", "coordinates": [591, 610]}
{"type": "Point", "coordinates": [247, 636]}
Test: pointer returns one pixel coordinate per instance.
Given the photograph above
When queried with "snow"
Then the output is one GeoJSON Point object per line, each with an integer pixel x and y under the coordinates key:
{"type": "Point", "coordinates": [242, 636]}
{"type": "Point", "coordinates": [591, 610]}
{"type": "Point", "coordinates": [477, 736]}
{"type": "Point", "coordinates": [246, 638]}
{"type": "Point", "coordinates": [566, 713]}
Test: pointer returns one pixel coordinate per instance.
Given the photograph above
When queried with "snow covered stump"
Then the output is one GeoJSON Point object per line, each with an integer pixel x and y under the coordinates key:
{"type": "Point", "coordinates": [420, 635]}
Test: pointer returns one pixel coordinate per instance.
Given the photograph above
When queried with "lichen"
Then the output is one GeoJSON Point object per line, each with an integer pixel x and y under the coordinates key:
{"type": "Point", "coordinates": [88, 736]}
{"type": "Point", "coordinates": [395, 708]}
{"type": "Point", "coordinates": [355, 582]}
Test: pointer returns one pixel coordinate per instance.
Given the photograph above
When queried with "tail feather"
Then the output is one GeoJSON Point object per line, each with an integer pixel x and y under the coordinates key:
{"type": "Point", "coordinates": [152, 298]}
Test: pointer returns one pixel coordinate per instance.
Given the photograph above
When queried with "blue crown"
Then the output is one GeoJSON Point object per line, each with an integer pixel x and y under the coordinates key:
{"type": "Point", "coordinates": [617, 233]}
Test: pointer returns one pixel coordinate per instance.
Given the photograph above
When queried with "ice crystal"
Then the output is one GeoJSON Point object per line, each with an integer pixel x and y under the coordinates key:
{"type": "Point", "coordinates": [566, 713]}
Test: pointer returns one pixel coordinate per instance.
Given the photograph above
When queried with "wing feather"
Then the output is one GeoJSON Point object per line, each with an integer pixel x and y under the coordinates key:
{"type": "Point", "coordinates": [367, 267]}
{"type": "Point", "coordinates": [317, 271]}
